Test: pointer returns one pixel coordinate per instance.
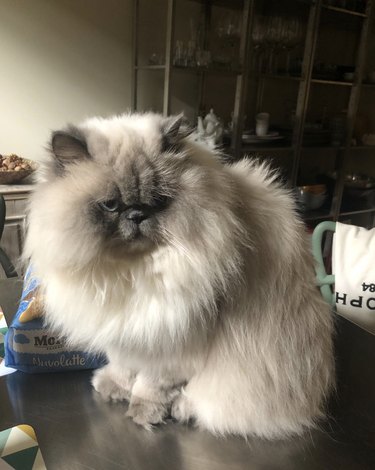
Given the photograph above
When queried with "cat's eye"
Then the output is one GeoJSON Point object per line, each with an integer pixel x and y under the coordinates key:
{"type": "Point", "coordinates": [110, 205]}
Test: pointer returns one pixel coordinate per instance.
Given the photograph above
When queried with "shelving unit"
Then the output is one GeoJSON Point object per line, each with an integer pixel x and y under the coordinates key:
{"type": "Point", "coordinates": [305, 82]}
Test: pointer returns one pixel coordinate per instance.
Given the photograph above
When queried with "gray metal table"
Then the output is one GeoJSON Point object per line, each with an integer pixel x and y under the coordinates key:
{"type": "Point", "coordinates": [76, 430]}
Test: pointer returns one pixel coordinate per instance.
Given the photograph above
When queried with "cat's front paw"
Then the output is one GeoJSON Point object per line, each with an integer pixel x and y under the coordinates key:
{"type": "Point", "coordinates": [146, 413]}
{"type": "Point", "coordinates": [181, 409]}
{"type": "Point", "coordinates": [109, 390]}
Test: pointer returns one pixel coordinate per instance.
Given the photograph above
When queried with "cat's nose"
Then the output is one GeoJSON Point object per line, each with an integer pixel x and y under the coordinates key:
{"type": "Point", "coordinates": [136, 215]}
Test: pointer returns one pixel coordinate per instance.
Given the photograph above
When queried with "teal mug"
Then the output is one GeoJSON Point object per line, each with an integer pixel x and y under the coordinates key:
{"type": "Point", "coordinates": [324, 280]}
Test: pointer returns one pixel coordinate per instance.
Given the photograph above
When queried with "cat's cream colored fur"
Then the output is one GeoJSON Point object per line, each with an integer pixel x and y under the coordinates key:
{"type": "Point", "coordinates": [218, 318]}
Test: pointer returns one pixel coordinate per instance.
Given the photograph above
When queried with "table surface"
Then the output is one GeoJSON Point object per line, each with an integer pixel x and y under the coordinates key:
{"type": "Point", "coordinates": [22, 187]}
{"type": "Point", "coordinates": [76, 430]}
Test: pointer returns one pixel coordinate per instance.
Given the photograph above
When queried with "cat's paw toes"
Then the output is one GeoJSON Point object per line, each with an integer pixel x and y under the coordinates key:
{"type": "Point", "coordinates": [146, 413]}
{"type": "Point", "coordinates": [107, 388]}
{"type": "Point", "coordinates": [181, 409]}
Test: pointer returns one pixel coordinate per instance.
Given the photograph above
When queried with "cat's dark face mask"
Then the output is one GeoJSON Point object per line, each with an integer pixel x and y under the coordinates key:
{"type": "Point", "coordinates": [132, 210]}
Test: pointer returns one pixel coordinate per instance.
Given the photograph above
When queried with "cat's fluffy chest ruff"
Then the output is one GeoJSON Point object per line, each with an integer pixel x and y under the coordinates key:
{"type": "Point", "coordinates": [153, 307]}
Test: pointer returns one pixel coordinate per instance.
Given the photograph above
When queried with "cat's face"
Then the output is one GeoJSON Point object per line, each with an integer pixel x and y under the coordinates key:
{"type": "Point", "coordinates": [123, 186]}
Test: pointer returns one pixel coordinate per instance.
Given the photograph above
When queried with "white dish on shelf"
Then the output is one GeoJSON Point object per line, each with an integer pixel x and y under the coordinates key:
{"type": "Point", "coordinates": [253, 138]}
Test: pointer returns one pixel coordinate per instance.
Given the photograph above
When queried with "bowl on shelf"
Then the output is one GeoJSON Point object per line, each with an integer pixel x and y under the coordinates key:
{"type": "Point", "coordinates": [359, 192]}
{"type": "Point", "coordinates": [14, 169]}
{"type": "Point", "coordinates": [311, 197]}
{"type": "Point", "coordinates": [359, 181]}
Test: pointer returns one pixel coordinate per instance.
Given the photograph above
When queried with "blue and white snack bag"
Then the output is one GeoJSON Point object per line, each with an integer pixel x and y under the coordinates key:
{"type": "Point", "coordinates": [31, 347]}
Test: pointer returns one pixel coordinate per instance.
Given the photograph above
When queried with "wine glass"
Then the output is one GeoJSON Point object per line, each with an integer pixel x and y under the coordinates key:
{"type": "Point", "coordinates": [258, 37]}
{"type": "Point", "coordinates": [293, 38]}
{"type": "Point", "coordinates": [273, 39]}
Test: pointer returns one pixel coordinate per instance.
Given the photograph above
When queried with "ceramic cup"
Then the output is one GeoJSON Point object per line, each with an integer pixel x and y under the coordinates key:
{"type": "Point", "coordinates": [262, 124]}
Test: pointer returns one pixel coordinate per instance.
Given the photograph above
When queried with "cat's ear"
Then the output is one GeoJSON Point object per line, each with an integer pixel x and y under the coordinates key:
{"type": "Point", "coordinates": [69, 146]}
{"type": "Point", "coordinates": [174, 129]}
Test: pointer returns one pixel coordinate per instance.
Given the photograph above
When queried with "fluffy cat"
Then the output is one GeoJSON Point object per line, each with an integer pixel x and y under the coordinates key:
{"type": "Point", "coordinates": [194, 277]}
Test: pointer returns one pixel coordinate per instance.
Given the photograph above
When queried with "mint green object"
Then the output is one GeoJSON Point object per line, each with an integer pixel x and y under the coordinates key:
{"type": "Point", "coordinates": [324, 280]}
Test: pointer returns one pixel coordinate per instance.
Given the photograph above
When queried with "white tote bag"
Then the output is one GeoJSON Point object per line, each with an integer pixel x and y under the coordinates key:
{"type": "Point", "coordinates": [353, 264]}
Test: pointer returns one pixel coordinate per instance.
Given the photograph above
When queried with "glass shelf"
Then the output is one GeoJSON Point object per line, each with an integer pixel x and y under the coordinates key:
{"type": "Point", "coordinates": [266, 148]}
{"type": "Point", "coordinates": [331, 82]}
{"type": "Point", "coordinates": [233, 4]}
{"type": "Point", "coordinates": [211, 69]}
{"type": "Point", "coordinates": [344, 10]}
{"type": "Point", "coordinates": [357, 211]}
{"type": "Point", "coordinates": [281, 77]}
{"type": "Point", "coordinates": [341, 147]}
{"type": "Point", "coordinates": [316, 215]}
{"type": "Point", "coordinates": [197, 70]}
{"type": "Point", "coordinates": [150, 67]}
{"type": "Point", "coordinates": [321, 214]}
{"type": "Point", "coordinates": [362, 147]}
{"type": "Point", "coordinates": [322, 147]}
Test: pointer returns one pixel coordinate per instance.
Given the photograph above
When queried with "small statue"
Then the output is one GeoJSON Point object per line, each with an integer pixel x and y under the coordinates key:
{"type": "Point", "coordinates": [210, 130]}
